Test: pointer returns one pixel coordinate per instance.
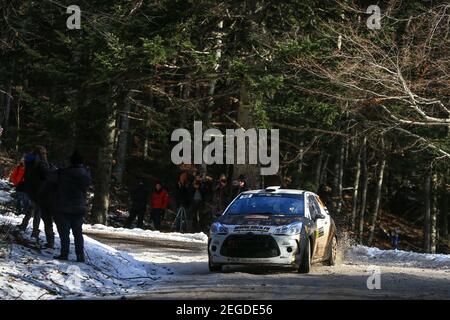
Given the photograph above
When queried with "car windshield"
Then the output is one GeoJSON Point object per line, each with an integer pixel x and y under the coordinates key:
{"type": "Point", "coordinates": [268, 204]}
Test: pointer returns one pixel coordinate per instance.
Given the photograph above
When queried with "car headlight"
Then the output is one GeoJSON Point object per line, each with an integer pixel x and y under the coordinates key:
{"type": "Point", "coordinates": [289, 230]}
{"type": "Point", "coordinates": [218, 228]}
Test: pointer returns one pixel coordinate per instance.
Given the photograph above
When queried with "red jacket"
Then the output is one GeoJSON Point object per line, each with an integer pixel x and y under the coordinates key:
{"type": "Point", "coordinates": [16, 176]}
{"type": "Point", "coordinates": [160, 200]}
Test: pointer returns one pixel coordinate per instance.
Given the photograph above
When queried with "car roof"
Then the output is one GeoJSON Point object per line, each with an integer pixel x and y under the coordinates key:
{"type": "Point", "coordinates": [276, 190]}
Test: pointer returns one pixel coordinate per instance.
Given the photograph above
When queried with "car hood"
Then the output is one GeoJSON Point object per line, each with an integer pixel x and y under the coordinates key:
{"type": "Point", "coordinates": [258, 220]}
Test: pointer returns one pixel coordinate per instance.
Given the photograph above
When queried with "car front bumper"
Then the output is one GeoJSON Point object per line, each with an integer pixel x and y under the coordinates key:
{"type": "Point", "coordinates": [288, 249]}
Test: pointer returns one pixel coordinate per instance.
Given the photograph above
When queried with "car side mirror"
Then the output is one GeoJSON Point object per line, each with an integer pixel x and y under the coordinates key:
{"type": "Point", "coordinates": [319, 216]}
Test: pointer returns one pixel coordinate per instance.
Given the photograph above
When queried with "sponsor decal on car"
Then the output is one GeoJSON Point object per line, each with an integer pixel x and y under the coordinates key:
{"type": "Point", "coordinates": [320, 232]}
{"type": "Point", "coordinates": [251, 228]}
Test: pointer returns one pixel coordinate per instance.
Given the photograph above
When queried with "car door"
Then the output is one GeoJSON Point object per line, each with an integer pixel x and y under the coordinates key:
{"type": "Point", "coordinates": [322, 226]}
{"type": "Point", "coordinates": [326, 222]}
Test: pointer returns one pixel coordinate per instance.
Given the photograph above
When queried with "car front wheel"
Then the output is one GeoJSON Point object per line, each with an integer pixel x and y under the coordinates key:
{"type": "Point", "coordinates": [305, 259]}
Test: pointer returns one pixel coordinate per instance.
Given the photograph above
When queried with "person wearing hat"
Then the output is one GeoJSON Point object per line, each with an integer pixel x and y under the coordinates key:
{"type": "Point", "coordinates": [240, 186]}
{"type": "Point", "coordinates": [70, 205]}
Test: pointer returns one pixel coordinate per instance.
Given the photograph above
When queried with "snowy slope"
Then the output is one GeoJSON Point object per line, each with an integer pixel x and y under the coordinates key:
{"type": "Point", "coordinates": [29, 274]}
{"type": "Point", "coordinates": [5, 192]}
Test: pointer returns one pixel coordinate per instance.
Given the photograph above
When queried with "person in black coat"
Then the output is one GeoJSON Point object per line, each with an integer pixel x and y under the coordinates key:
{"type": "Point", "coordinates": [70, 205]}
{"type": "Point", "coordinates": [199, 194]}
{"type": "Point", "coordinates": [139, 199]}
{"type": "Point", "coordinates": [221, 197]}
{"type": "Point", "coordinates": [37, 170]}
{"type": "Point", "coordinates": [183, 191]}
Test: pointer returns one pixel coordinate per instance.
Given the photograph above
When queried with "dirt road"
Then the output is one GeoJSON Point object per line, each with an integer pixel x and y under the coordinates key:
{"type": "Point", "coordinates": [348, 280]}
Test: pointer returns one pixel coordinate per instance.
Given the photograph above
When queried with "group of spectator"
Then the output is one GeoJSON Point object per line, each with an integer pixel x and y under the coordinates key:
{"type": "Point", "coordinates": [52, 195]}
{"type": "Point", "coordinates": [201, 198]}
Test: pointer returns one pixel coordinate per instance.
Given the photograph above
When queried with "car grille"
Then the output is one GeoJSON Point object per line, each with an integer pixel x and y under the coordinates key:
{"type": "Point", "coordinates": [250, 246]}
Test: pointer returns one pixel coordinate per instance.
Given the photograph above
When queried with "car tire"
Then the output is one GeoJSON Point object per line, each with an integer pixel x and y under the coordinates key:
{"type": "Point", "coordinates": [332, 252]}
{"type": "Point", "coordinates": [213, 267]}
{"type": "Point", "coordinates": [305, 260]}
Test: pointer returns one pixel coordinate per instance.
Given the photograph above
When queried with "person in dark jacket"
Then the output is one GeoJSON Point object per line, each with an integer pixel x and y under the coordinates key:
{"type": "Point", "coordinates": [70, 205]}
{"type": "Point", "coordinates": [36, 172]}
{"type": "Point", "coordinates": [159, 203]}
{"type": "Point", "coordinates": [221, 197]}
{"type": "Point", "coordinates": [240, 186]}
{"type": "Point", "coordinates": [199, 194]}
{"type": "Point", "coordinates": [139, 198]}
{"type": "Point", "coordinates": [395, 238]}
{"type": "Point", "coordinates": [182, 194]}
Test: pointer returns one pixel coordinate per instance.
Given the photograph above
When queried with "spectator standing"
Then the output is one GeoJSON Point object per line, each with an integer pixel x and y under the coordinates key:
{"type": "Point", "coordinates": [139, 198]}
{"type": "Point", "coordinates": [159, 203]}
{"type": "Point", "coordinates": [72, 184]}
{"type": "Point", "coordinates": [221, 197]}
{"type": "Point", "coordinates": [240, 186]}
{"type": "Point", "coordinates": [199, 195]}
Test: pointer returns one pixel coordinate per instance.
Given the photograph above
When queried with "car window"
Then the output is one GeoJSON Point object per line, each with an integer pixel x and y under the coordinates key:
{"type": "Point", "coordinates": [267, 203]}
{"type": "Point", "coordinates": [313, 206]}
{"type": "Point", "coordinates": [316, 205]}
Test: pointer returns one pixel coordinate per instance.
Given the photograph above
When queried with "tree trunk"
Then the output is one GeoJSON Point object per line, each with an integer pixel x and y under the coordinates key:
{"type": "Point", "coordinates": [378, 192]}
{"type": "Point", "coordinates": [427, 213]}
{"type": "Point", "coordinates": [102, 181]}
{"type": "Point", "coordinates": [300, 159]}
{"type": "Point", "coordinates": [444, 206]}
{"type": "Point", "coordinates": [122, 140]}
{"type": "Point", "coordinates": [245, 119]}
{"type": "Point", "coordinates": [18, 122]}
{"type": "Point", "coordinates": [318, 170]}
{"type": "Point", "coordinates": [7, 110]}
{"type": "Point", "coordinates": [324, 171]}
{"type": "Point", "coordinates": [218, 35]}
{"type": "Point", "coordinates": [356, 188]}
{"type": "Point", "coordinates": [147, 128]}
{"type": "Point", "coordinates": [365, 182]}
{"type": "Point", "coordinates": [338, 176]}
{"type": "Point", "coordinates": [434, 213]}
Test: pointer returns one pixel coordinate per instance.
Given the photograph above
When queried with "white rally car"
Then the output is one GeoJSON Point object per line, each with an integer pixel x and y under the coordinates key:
{"type": "Point", "coordinates": [273, 227]}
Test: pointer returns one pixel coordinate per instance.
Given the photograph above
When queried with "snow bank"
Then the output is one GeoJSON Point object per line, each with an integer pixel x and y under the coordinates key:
{"type": "Point", "coordinates": [5, 197]}
{"type": "Point", "coordinates": [5, 192]}
{"type": "Point", "coordinates": [27, 273]}
{"type": "Point", "coordinates": [5, 184]}
{"type": "Point", "coordinates": [140, 233]}
{"type": "Point", "coordinates": [369, 255]}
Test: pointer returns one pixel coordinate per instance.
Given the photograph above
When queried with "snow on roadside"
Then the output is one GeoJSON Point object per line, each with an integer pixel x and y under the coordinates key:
{"type": "Point", "coordinates": [5, 192]}
{"type": "Point", "coordinates": [369, 255]}
{"type": "Point", "coordinates": [149, 234]}
{"type": "Point", "coordinates": [27, 273]}
{"type": "Point", "coordinates": [5, 197]}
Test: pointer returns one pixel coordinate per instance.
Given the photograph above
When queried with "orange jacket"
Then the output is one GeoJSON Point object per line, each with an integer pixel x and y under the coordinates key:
{"type": "Point", "coordinates": [160, 200]}
{"type": "Point", "coordinates": [17, 174]}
